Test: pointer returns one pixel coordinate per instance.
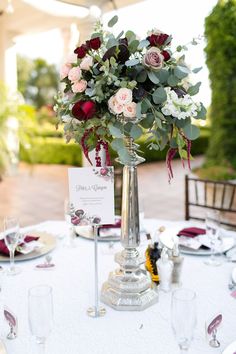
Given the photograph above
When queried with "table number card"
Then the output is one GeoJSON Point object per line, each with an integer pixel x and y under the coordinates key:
{"type": "Point", "coordinates": [91, 191]}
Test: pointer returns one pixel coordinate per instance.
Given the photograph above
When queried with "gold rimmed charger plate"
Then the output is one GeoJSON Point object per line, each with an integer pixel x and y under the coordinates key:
{"type": "Point", "coordinates": [49, 243]}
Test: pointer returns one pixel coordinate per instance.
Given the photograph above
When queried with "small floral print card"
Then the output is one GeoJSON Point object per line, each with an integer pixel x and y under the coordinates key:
{"type": "Point", "coordinates": [91, 193]}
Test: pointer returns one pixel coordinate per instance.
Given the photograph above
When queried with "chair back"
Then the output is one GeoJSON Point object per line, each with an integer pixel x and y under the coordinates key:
{"type": "Point", "coordinates": [201, 194]}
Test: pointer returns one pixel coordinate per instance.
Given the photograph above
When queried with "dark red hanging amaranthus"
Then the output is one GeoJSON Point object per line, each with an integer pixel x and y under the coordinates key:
{"type": "Point", "coordinates": [169, 157]}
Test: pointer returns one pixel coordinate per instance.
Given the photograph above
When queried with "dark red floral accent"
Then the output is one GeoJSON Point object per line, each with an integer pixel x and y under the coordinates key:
{"type": "Point", "coordinates": [166, 55]}
{"type": "Point", "coordinates": [157, 39]}
{"type": "Point", "coordinates": [84, 145]}
{"type": "Point", "coordinates": [81, 51]}
{"type": "Point", "coordinates": [169, 157]}
{"type": "Point", "coordinates": [98, 149]}
{"type": "Point", "coordinates": [84, 110]}
{"type": "Point", "coordinates": [95, 43]}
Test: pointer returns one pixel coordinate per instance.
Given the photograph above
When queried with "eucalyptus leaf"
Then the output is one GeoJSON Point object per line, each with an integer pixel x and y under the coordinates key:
{"type": "Point", "coordinates": [113, 21]}
{"type": "Point", "coordinates": [124, 156]}
{"type": "Point", "coordinates": [112, 42]}
{"type": "Point", "coordinates": [95, 35]}
{"type": "Point", "coordinates": [148, 121]}
{"type": "Point", "coordinates": [120, 35]}
{"type": "Point", "coordinates": [132, 62]}
{"type": "Point", "coordinates": [153, 77]}
{"type": "Point", "coordinates": [173, 143]}
{"type": "Point", "coordinates": [118, 144]}
{"type": "Point", "coordinates": [145, 105]}
{"type": "Point", "coordinates": [193, 90]}
{"type": "Point", "coordinates": [138, 110]}
{"type": "Point", "coordinates": [159, 95]}
{"type": "Point", "coordinates": [133, 46]}
{"type": "Point", "coordinates": [136, 132]}
{"type": "Point", "coordinates": [158, 122]}
{"type": "Point", "coordinates": [202, 113]}
{"type": "Point", "coordinates": [191, 132]}
{"type": "Point", "coordinates": [142, 76]}
{"type": "Point", "coordinates": [143, 44]}
{"type": "Point", "coordinates": [196, 70]}
{"type": "Point", "coordinates": [181, 71]}
{"type": "Point", "coordinates": [130, 35]}
{"type": "Point", "coordinates": [172, 80]}
{"type": "Point", "coordinates": [162, 75]}
{"type": "Point", "coordinates": [115, 131]}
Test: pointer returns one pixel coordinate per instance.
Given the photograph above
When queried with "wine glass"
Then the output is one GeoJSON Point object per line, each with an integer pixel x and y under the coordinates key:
{"type": "Point", "coordinates": [11, 237]}
{"type": "Point", "coordinates": [212, 224]}
{"type": "Point", "coordinates": [183, 317]}
{"type": "Point", "coordinates": [40, 313]}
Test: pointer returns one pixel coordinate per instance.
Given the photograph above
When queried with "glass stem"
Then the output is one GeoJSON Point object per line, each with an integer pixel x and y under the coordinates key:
{"type": "Point", "coordinates": [12, 265]}
{"type": "Point", "coordinates": [212, 251]}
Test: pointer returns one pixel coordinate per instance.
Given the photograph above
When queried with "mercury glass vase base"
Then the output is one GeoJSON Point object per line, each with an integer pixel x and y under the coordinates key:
{"type": "Point", "coordinates": [96, 312]}
{"type": "Point", "coordinates": [128, 299]}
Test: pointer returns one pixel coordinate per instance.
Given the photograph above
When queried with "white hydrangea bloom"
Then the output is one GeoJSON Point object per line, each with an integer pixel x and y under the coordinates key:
{"type": "Point", "coordinates": [179, 107]}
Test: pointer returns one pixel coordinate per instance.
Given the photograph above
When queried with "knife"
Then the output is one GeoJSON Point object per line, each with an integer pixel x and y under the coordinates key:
{"type": "Point", "coordinates": [2, 348]}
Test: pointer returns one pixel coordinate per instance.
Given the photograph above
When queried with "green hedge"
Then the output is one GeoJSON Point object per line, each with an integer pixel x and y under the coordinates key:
{"type": "Point", "coordinates": [51, 151]}
{"type": "Point", "coordinates": [220, 31]}
{"type": "Point", "coordinates": [55, 151]}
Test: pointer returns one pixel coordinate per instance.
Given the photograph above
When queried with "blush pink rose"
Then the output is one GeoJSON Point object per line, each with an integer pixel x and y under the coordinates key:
{"type": "Point", "coordinates": [79, 86]}
{"type": "Point", "coordinates": [114, 106]}
{"type": "Point", "coordinates": [130, 110]}
{"type": "Point", "coordinates": [74, 74]}
{"type": "Point", "coordinates": [72, 58]}
{"type": "Point", "coordinates": [65, 70]}
{"type": "Point", "coordinates": [124, 96]}
{"type": "Point", "coordinates": [86, 63]}
{"type": "Point", "coordinates": [153, 58]}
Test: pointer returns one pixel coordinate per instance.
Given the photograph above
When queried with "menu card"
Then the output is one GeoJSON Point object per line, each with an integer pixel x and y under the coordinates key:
{"type": "Point", "coordinates": [91, 193]}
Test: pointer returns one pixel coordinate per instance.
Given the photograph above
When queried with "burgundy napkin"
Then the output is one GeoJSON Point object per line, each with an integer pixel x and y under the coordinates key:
{"type": "Point", "coordinates": [117, 225]}
{"type": "Point", "coordinates": [4, 250]}
{"type": "Point", "coordinates": [191, 232]}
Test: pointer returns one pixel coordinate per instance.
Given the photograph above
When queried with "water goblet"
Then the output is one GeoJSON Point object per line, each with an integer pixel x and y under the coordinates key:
{"type": "Point", "coordinates": [11, 237]}
{"type": "Point", "coordinates": [212, 224]}
{"type": "Point", "coordinates": [40, 314]}
{"type": "Point", "coordinates": [183, 317]}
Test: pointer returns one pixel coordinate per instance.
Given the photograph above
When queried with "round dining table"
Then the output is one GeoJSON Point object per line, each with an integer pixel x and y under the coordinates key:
{"type": "Point", "coordinates": [118, 332]}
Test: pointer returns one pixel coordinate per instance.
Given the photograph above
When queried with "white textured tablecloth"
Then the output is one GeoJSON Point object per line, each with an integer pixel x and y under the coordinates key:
{"type": "Point", "coordinates": [143, 332]}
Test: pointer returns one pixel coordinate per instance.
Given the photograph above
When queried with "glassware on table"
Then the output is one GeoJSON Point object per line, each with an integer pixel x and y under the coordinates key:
{"type": "Point", "coordinates": [183, 317]}
{"type": "Point", "coordinates": [40, 313]}
{"type": "Point", "coordinates": [212, 224]}
{"type": "Point", "coordinates": [68, 210]}
{"type": "Point", "coordinates": [11, 237]}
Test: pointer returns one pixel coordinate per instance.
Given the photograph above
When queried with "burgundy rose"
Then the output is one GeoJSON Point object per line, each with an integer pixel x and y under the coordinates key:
{"type": "Point", "coordinates": [84, 110]}
{"type": "Point", "coordinates": [166, 55]}
{"type": "Point", "coordinates": [157, 39]}
{"type": "Point", "coordinates": [95, 43]}
{"type": "Point", "coordinates": [81, 51]}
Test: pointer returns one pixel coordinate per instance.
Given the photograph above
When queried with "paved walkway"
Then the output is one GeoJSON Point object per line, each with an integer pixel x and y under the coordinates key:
{"type": "Point", "coordinates": [37, 193]}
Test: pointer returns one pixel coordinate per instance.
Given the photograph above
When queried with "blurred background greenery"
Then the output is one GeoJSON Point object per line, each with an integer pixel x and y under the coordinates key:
{"type": "Point", "coordinates": [38, 82]}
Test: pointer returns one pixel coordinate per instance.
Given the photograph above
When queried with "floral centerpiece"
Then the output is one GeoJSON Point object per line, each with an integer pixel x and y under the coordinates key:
{"type": "Point", "coordinates": [118, 86]}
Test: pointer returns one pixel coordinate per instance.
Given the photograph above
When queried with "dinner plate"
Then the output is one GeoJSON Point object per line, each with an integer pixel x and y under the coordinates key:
{"type": "Point", "coordinates": [231, 349]}
{"type": "Point", "coordinates": [87, 232]}
{"type": "Point", "coordinates": [227, 244]}
{"type": "Point", "coordinates": [49, 243]}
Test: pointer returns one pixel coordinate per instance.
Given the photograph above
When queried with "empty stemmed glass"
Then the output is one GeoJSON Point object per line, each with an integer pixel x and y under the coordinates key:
{"type": "Point", "coordinates": [11, 237]}
{"type": "Point", "coordinates": [40, 313]}
{"type": "Point", "coordinates": [212, 224]}
{"type": "Point", "coordinates": [183, 317]}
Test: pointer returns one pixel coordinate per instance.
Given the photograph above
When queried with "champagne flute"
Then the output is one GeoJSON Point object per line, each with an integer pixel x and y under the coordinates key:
{"type": "Point", "coordinates": [183, 317]}
{"type": "Point", "coordinates": [11, 237]}
{"type": "Point", "coordinates": [212, 223]}
{"type": "Point", "coordinates": [40, 313]}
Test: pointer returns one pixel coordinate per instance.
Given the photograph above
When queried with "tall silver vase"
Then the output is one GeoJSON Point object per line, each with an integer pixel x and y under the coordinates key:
{"type": "Point", "coordinates": [129, 288]}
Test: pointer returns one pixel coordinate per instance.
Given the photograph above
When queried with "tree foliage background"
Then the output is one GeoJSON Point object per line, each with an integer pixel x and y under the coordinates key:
{"type": "Point", "coordinates": [37, 81]}
{"type": "Point", "coordinates": [220, 31]}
